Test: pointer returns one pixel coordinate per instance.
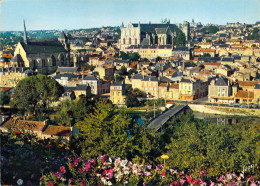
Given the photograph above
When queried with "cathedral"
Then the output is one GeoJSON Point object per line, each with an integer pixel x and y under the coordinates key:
{"type": "Point", "coordinates": [43, 57]}
{"type": "Point", "coordinates": [148, 34]}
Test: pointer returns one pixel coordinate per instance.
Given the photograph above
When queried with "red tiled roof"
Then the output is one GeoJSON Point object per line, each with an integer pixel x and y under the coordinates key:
{"type": "Point", "coordinates": [244, 94]}
{"type": "Point", "coordinates": [163, 85]}
{"type": "Point", "coordinates": [203, 50]}
{"type": "Point", "coordinates": [247, 83]}
{"type": "Point", "coordinates": [175, 86]}
{"type": "Point", "coordinates": [57, 130]}
{"type": "Point", "coordinates": [6, 88]}
{"type": "Point", "coordinates": [24, 124]}
{"type": "Point", "coordinates": [216, 64]}
{"type": "Point", "coordinates": [132, 65]}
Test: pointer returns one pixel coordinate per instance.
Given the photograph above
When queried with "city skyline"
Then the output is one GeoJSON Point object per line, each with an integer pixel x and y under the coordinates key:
{"type": "Point", "coordinates": [77, 14]}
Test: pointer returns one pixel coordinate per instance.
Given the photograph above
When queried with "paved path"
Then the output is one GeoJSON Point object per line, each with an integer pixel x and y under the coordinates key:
{"type": "Point", "coordinates": [162, 119]}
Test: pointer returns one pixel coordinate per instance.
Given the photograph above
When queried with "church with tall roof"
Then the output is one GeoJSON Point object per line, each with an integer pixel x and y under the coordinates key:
{"type": "Point", "coordinates": [147, 34]}
{"type": "Point", "coordinates": [44, 56]}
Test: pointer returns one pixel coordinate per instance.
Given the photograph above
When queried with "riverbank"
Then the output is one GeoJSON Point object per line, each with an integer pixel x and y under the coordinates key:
{"type": "Point", "coordinates": [232, 111]}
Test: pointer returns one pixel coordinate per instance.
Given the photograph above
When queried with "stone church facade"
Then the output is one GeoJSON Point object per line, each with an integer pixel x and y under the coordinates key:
{"type": "Point", "coordinates": [147, 34]}
{"type": "Point", "coordinates": [43, 57]}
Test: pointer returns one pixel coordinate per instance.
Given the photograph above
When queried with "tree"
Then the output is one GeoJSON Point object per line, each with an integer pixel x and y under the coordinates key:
{"type": "Point", "coordinates": [4, 98]}
{"type": "Point", "coordinates": [180, 39]}
{"type": "Point", "coordinates": [123, 71]}
{"type": "Point", "coordinates": [209, 29]}
{"type": "Point", "coordinates": [206, 55]}
{"type": "Point", "coordinates": [34, 94]}
{"type": "Point", "coordinates": [131, 100]}
{"type": "Point", "coordinates": [104, 131]}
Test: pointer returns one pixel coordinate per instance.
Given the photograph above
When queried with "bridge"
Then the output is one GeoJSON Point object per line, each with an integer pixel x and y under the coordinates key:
{"type": "Point", "coordinates": [159, 121]}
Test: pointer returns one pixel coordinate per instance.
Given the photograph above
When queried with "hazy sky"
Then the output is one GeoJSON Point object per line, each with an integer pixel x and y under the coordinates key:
{"type": "Point", "coordinates": [75, 14]}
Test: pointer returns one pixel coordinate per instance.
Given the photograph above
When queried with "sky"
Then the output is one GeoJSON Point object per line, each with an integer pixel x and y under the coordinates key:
{"type": "Point", "coordinates": [77, 14]}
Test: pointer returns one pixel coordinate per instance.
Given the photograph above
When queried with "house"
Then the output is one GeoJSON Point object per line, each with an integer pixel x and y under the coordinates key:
{"type": "Point", "coordinates": [118, 93]}
{"type": "Point", "coordinates": [105, 71]}
{"type": "Point", "coordinates": [201, 51]}
{"type": "Point", "coordinates": [147, 84]}
{"type": "Point", "coordinates": [181, 52]}
{"type": "Point", "coordinates": [244, 97]}
{"type": "Point", "coordinates": [82, 90]}
{"type": "Point", "coordinates": [227, 60]}
{"type": "Point", "coordinates": [211, 66]}
{"type": "Point", "coordinates": [40, 128]}
{"type": "Point", "coordinates": [189, 89]}
{"type": "Point", "coordinates": [220, 90]}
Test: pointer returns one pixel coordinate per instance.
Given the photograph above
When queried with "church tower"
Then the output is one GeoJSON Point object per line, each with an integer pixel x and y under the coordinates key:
{"type": "Point", "coordinates": [25, 38]}
{"type": "Point", "coordinates": [186, 29]}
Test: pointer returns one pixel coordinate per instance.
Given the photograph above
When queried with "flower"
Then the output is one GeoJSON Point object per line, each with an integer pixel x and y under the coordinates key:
{"type": "Point", "coordinates": [165, 157]}
{"type": "Point", "coordinates": [163, 173]}
{"type": "Point", "coordinates": [149, 166]}
{"type": "Point", "coordinates": [229, 176]}
{"type": "Point", "coordinates": [72, 165]}
{"type": "Point", "coordinates": [72, 180]}
{"type": "Point", "coordinates": [200, 172]}
{"type": "Point", "coordinates": [62, 169]}
{"type": "Point", "coordinates": [17, 132]}
{"type": "Point", "coordinates": [251, 179]}
{"type": "Point", "coordinates": [20, 182]}
{"type": "Point", "coordinates": [83, 183]}
{"type": "Point", "coordinates": [50, 184]}
{"type": "Point", "coordinates": [182, 181]}
{"type": "Point", "coordinates": [189, 179]}
{"type": "Point", "coordinates": [41, 178]}
{"type": "Point", "coordinates": [147, 173]}
{"type": "Point", "coordinates": [47, 146]}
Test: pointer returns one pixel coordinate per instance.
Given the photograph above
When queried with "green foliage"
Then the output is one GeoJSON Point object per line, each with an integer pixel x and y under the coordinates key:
{"type": "Point", "coordinates": [34, 94]}
{"type": "Point", "coordinates": [131, 100]}
{"type": "Point", "coordinates": [180, 39]}
{"type": "Point", "coordinates": [105, 132]}
{"type": "Point", "coordinates": [4, 98]}
{"type": "Point", "coordinates": [138, 92]}
{"type": "Point", "coordinates": [123, 71]}
{"type": "Point", "coordinates": [206, 55]}
{"type": "Point", "coordinates": [133, 56]}
{"type": "Point", "coordinates": [209, 29]}
{"type": "Point", "coordinates": [70, 112]}
{"type": "Point", "coordinates": [255, 35]}
{"type": "Point", "coordinates": [216, 148]}
{"type": "Point", "coordinates": [158, 102]}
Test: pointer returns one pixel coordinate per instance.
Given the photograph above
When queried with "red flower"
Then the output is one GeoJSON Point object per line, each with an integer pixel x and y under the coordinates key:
{"type": "Point", "coordinates": [72, 165]}
{"type": "Point", "coordinates": [50, 184]}
{"type": "Point", "coordinates": [189, 179]}
{"type": "Point", "coordinates": [41, 178]}
{"type": "Point", "coordinates": [164, 173]}
{"type": "Point", "coordinates": [62, 169]}
{"type": "Point", "coordinates": [47, 146]}
{"type": "Point", "coordinates": [17, 132]}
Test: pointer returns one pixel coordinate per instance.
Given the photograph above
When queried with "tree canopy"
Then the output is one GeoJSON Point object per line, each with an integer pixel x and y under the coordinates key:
{"type": "Point", "coordinates": [180, 39]}
{"type": "Point", "coordinates": [4, 98]}
{"type": "Point", "coordinates": [255, 35]}
{"type": "Point", "coordinates": [209, 29]}
{"type": "Point", "coordinates": [34, 94]}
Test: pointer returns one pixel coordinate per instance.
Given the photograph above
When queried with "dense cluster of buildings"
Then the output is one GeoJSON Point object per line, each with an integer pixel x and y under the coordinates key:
{"type": "Point", "coordinates": [224, 65]}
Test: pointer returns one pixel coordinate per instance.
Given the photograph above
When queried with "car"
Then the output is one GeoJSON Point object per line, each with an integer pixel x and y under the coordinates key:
{"type": "Point", "coordinates": [243, 106]}
{"type": "Point", "coordinates": [253, 105]}
{"type": "Point", "coordinates": [231, 105]}
{"type": "Point", "coordinates": [236, 105]}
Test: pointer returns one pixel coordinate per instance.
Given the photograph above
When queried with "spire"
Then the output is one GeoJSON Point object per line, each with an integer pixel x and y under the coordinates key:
{"type": "Point", "coordinates": [25, 34]}
{"type": "Point", "coordinates": [139, 25]}
{"type": "Point", "coordinates": [122, 26]}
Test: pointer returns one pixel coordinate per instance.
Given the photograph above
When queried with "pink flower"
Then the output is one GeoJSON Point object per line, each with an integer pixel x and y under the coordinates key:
{"type": "Point", "coordinates": [149, 166]}
{"type": "Point", "coordinates": [221, 178]}
{"type": "Point", "coordinates": [200, 172]}
{"type": "Point", "coordinates": [41, 178]}
{"type": "Point", "coordinates": [205, 173]}
{"type": "Point", "coordinates": [144, 184]}
{"type": "Point", "coordinates": [62, 169]}
{"type": "Point", "coordinates": [72, 165]}
{"type": "Point", "coordinates": [58, 175]}
{"type": "Point", "coordinates": [212, 183]}
{"type": "Point", "coordinates": [253, 184]}
{"type": "Point", "coordinates": [182, 181]}
{"type": "Point", "coordinates": [147, 173]}
{"type": "Point", "coordinates": [229, 176]}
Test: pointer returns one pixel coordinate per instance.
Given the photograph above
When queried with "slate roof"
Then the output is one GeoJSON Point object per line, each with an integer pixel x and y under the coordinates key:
{"type": "Point", "coordinates": [165, 79]}
{"type": "Point", "coordinates": [121, 61]}
{"type": "Point", "coordinates": [67, 69]}
{"type": "Point", "coordinates": [3, 59]}
{"type": "Point", "coordinates": [183, 80]}
{"type": "Point", "coordinates": [144, 77]}
{"type": "Point", "coordinates": [69, 76]}
{"type": "Point", "coordinates": [151, 28]}
{"type": "Point", "coordinates": [221, 81]}
{"type": "Point", "coordinates": [145, 41]}
{"type": "Point", "coordinates": [81, 87]}
{"type": "Point", "coordinates": [17, 58]}
{"type": "Point", "coordinates": [43, 47]}
{"type": "Point", "coordinates": [117, 83]}
{"type": "Point", "coordinates": [181, 49]}
{"type": "Point", "coordinates": [90, 77]}
{"type": "Point", "coordinates": [227, 59]}
{"type": "Point", "coordinates": [257, 86]}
